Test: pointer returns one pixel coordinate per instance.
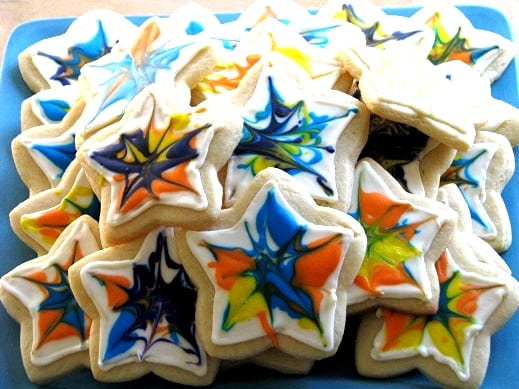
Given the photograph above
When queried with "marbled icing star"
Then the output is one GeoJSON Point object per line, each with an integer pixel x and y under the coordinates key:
{"type": "Point", "coordinates": [152, 57]}
{"type": "Point", "coordinates": [457, 39]}
{"type": "Point", "coordinates": [142, 305]}
{"type": "Point", "coordinates": [381, 30]}
{"type": "Point", "coordinates": [311, 136]}
{"type": "Point", "coordinates": [477, 296]}
{"type": "Point", "coordinates": [482, 173]}
{"type": "Point", "coordinates": [58, 60]}
{"type": "Point", "coordinates": [40, 219]}
{"type": "Point", "coordinates": [272, 278]}
{"type": "Point", "coordinates": [55, 336]}
{"type": "Point", "coordinates": [162, 160]}
{"type": "Point", "coordinates": [406, 233]}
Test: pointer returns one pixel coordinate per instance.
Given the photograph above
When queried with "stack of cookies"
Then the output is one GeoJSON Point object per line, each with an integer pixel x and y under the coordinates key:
{"type": "Point", "coordinates": [204, 194]}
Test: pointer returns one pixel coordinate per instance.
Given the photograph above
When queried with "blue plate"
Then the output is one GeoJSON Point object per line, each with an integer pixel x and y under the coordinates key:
{"type": "Point", "coordinates": [333, 372]}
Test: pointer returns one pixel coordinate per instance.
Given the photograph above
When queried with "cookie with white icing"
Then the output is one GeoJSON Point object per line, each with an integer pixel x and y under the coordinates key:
{"type": "Point", "coordinates": [272, 272]}
{"type": "Point", "coordinates": [159, 165]}
{"type": "Point", "coordinates": [54, 338]}
{"type": "Point", "coordinates": [39, 220]}
{"type": "Point", "coordinates": [452, 345]}
{"type": "Point", "coordinates": [482, 173]}
{"type": "Point", "coordinates": [152, 55]}
{"type": "Point", "coordinates": [406, 234]}
{"type": "Point", "coordinates": [313, 135]}
{"type": "Point", "coordinates": [43, 153]}
{"type": "Point", "coordinates": [457, 39]}
{"type": "Point", "coordinates": [58, 60]}
{"type": "Point", "coordinates": [403, 87]}
{"type": "Point", "coordinates": [272, 40]}
{"type": "Point", "coordinates": [381, 30]}
{"type": "Point", "coordinates": [142, 306]}
{"type": "Point", "coordinates": [49, 106]}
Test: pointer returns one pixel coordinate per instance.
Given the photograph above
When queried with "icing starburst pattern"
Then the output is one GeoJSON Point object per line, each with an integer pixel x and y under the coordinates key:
{"type": "Point", "coordinates": [375, 34]}
{"type": "Point", "coordinates": [275, 269]}
{"type": "Point", "coordinates": [118, 77]}
{"type": "Point", "coordinates": [45, 226]}
{"type": "Point", "coordinates": [59, 326]}
{"type": "Point", "coordinates": [69, 67]}
{"type": "Point", "coordinates": [448, 334]}
{"type": "Point", "coordinates": [155, 165]}
{"type": "Point", "coordinates": [398, 234]}
{"type": "Point", "coordinates": [449, 47]}
{"type": "Point", "coordinates": [295, 136]}
{"type": "Point", "coordinates": [149, 308]}
{"type": "Point", "coordinates": [469, 172]}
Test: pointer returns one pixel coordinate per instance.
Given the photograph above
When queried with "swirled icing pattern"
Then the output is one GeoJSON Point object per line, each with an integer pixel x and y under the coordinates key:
{"type": "Point", "coordinates": [147, 308]}
{"type": "Point", "coordinates": [45, 226]}
{"type": "Point", "coordinates": [374, 31]}
{"type": "Point", "coordinates": [399, 234]}
{"type": "Point", "coordinates": [68, 67]}
{"type": "Point", "coordinates": [274, 272]}
{"type": "Point", "coordinates": [120, 76]}
{"type": "Point", "coordinates": [60, 327]}
{"type": "Point", "coordinates": [469, 172]}
{"type": "Point", "coordinates": [448, 47]}
{"type": "Point", "coordinates": [226, 76]}
{"type": "Point", "coordinates": [50, 106]}
{"type": "Point", "coordinates": [466, 302]}
{"type": "Point", "coordinates": [284, 131]}
{"type": "Point", "coordinates": [53, 155]}
{"type": "Point", "coordinates": [154, 165]}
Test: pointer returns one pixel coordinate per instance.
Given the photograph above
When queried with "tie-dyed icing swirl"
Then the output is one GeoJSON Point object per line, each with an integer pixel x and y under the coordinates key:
{"type": "Point", "coordinates": [449, 47]}
{"type": "Point", "coordinates": [467, 300]}
{"type": "Point", "coordinates": [60, 327]}
{"type": "Point", "coordinates": [157, 164]}
{"type": "Point", "coordinates": [45, 226]}
{"type": "Point", "coordinates": [53, 155]}
{"type": "Point", "coordinates": [469, 172]}
{"type": "Point", "coordinates": [68, 67]}
{"type": "Point", "coordinates": [399, 234]}
{"type": "Point", "coordinates": [51, 105]}
{"type": "Point", "coordinates": [296, 135]}
{"type": "Point", "coordinates": [374, 31]}
{"type": "Point", "coordinates": [147, 307]}
{"type": "Point", "coordinates": [274, 273]}
{"type": "Point", "coordinates": [119, 76]}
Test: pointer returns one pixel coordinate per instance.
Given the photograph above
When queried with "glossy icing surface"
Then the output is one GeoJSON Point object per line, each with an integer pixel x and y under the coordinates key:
{"type": "Point", "coordinates": [466, 301]}
{"type": "Point", "coordinates": [469, 172]}
{"type": "Point", "coordinates": [274, 273]}
{"type": "Point", "coordinates": [146, 307]}
{"type": "Point", "coordinates": [293, 134]}
{"type": "Point", "coordinates": [90, 37]}
{"type": "Point", "coordinates": [45, 226]}
{"type": "Point", "coordinates": [116, 78]}
{"type": "Point", "coordinates": [399, 235]}
{"type": "Point", "coordinates": [59, 325]}
{"type": "Point", "coordinates": [154, 159]}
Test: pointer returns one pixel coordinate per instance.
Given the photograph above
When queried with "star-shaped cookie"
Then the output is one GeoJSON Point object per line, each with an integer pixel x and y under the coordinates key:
{"type": "Point", "coordinates": [272, 271]}
{"type": "Point", "coordinates": [54, 329]}
{"type": "Point", "coordinates": [142, 305]}
{"type": "Point", "coordinates": [39, 220]}
{"type": "Point", "coordinates": [58, 60]}
{"type": "Point", "coordinates": [406, 234]}
{"type": "Point", "coordinates": [452, 345]}
{"type": "Point", "coordinates": [159, 165]}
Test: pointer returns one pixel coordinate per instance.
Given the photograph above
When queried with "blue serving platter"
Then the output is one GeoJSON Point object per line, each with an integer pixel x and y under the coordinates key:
{"type": "Point", "coordinates": [337, 371]}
